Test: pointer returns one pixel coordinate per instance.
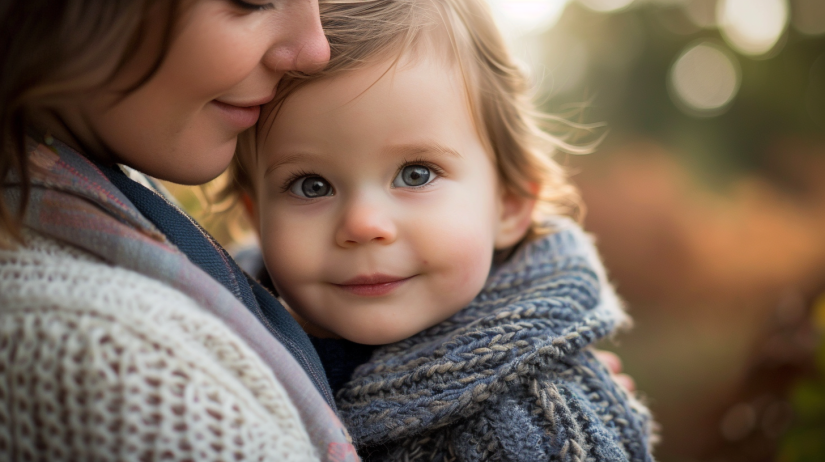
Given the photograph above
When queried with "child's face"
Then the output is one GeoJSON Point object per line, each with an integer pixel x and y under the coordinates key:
{"type": "Point", "coordinates": [379, 207]}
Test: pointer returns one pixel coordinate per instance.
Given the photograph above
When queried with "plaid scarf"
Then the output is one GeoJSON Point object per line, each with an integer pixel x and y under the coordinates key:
{"type": "Point", "coordinates": [100, 210]}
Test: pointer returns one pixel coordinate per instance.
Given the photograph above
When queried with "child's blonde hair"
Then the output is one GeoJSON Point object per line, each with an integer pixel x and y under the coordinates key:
{"type": "Point", "coordinates": [361, 33]}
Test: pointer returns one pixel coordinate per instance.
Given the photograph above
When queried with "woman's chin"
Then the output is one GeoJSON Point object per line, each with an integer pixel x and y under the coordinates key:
{"type": "Point", "coordinates": [195, 170]}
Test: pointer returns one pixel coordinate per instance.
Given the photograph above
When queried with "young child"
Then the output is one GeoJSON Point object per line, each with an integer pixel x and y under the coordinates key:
{"type": "Point", "coordinates": [405, 198]}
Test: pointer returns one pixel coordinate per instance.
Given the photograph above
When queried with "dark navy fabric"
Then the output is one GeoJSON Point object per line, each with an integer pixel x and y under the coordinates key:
{"type": "Point", "coordinates": [340, 357]}
{"type": "Point", "coordinates": [182, 231]}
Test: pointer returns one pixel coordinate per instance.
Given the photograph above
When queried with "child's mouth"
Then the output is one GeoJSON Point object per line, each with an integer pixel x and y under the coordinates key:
{"type": "Point", "coordinates": [373, 285]}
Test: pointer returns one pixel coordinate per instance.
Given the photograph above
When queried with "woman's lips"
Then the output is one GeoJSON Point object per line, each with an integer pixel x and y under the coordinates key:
{"type": "Point", "coordinates": [242, 117]}
{"type": "Point", "coordinates": [372, 286]}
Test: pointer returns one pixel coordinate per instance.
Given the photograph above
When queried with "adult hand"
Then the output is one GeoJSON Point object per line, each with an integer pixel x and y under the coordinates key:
{"type": "Point", "coordinates": [614, 365]}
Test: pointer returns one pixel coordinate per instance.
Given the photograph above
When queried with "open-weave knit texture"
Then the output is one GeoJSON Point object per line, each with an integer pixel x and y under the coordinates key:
{"type": "Point", "coordinates": [510, 377]}
{"type": "Point", "coordinates": [99, 363]}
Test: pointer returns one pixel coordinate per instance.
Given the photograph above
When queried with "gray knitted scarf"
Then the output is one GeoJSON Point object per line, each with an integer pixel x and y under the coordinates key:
{"type": "Point", "coordinates": [510, 377]}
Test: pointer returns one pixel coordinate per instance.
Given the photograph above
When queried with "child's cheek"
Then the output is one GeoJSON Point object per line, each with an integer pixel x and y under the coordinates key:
{"type": "Point", "coordinates": [291, 247]}
{"type": "Point", "coordinates": [470, 260]}
{"type": "Point", "coordinates": [461, 264]}
{"type": "Point", "coordinates": [461, 236]}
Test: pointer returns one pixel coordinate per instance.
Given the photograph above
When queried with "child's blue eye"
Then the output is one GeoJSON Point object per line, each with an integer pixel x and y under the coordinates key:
{"type": "Point", "coordinates": [412, 175]}
{"type": "Point", "coordinates": [311, 187]}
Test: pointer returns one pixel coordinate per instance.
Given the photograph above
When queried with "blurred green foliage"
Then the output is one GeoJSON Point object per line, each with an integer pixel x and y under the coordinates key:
{"type": "Point", "coordinates": [629, 55]}
{"type": "Point", "coordinates": [805, 441]}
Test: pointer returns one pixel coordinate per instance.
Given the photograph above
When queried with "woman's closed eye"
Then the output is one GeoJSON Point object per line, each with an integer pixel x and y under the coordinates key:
{"type": "Point", "coordinates": [415, 176]}
{"type": "Point", "coordinates": [254, 5]}
{"type": "Point", "coordinates": [311, 187]}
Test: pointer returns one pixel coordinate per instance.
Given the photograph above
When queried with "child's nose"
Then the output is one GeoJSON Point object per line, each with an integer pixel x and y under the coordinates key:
{"type": "Point", "coordinates": [364, 222]}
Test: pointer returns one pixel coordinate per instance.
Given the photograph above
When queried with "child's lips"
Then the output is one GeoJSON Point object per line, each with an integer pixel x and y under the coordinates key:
{"type": "Point", "coordinates": [373, 285]}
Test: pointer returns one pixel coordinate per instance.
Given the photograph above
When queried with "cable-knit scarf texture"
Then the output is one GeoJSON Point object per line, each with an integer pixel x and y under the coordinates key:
{"type": "Point", "coordinates": [510, 377]}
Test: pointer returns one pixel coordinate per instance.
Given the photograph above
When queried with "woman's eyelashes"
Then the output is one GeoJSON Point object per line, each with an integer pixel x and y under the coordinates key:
{"type": "Point", "coordinates": [254, 6]}
{"type": "Point", "coordinates": [310, 187]}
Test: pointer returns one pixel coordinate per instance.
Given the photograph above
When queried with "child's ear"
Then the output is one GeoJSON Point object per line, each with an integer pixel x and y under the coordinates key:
{"type": "Point", "coordinates": [515, 217]}
{"type": "Point", "coordinates": [251, 211]}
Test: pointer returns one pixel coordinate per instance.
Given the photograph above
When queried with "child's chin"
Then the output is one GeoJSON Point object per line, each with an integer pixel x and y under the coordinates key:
{"type": "Point", "coordinates": [377, 336]}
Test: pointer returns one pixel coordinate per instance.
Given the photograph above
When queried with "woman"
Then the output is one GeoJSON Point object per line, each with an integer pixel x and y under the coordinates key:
{"type": "Point", "coordinates": [126, 333]}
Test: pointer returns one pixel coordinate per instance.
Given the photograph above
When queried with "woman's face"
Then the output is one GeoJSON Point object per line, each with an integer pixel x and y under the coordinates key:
{"type": "Point", "coordinates": [224, 61]}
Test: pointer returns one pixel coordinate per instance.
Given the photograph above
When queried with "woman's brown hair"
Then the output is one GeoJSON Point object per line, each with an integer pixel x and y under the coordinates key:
{"type": "Point", "coordinates": [50, 49]}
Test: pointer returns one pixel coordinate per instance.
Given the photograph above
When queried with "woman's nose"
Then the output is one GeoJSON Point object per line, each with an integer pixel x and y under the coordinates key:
{"type": "Point", "coordinates": [307, 49]}
{"type": "Point", "coordinates": [363, 222]}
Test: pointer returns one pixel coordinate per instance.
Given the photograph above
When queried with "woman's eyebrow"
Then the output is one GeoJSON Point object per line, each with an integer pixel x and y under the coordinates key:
{"type": "Point", "coordinates": [421, 148]}
{"type": "Point", "coordinates": [294, 158]}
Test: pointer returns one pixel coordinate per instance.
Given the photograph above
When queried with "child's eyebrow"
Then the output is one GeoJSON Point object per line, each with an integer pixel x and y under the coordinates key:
{"type": "Point", "coordinates": [407, 150]}
{"type": "Point", "coordinates": [422, 148]}
{"type": "Point", "coordinates": [295, 158]}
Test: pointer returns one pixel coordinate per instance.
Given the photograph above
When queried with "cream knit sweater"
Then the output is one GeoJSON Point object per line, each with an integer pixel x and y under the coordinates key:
{"type": "Point", "coordinates": [101, 363]}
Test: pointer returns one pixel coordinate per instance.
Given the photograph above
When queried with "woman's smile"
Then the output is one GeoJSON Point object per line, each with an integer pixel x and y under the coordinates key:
{"type": "Point", "coordinates": [241, 117]}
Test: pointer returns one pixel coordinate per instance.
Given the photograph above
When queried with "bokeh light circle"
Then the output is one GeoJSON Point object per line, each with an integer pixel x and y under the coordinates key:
{"type": "Point", "coordinates": [605, 6]}
{"type": "Point", "coordinates": [752, 27]}
{"type": "Point", "coordinates": [519, 17]}
{"type": "Point", "coordinates": [704, 79]}
{"type": "Point", "coordinates": [809, 16]}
